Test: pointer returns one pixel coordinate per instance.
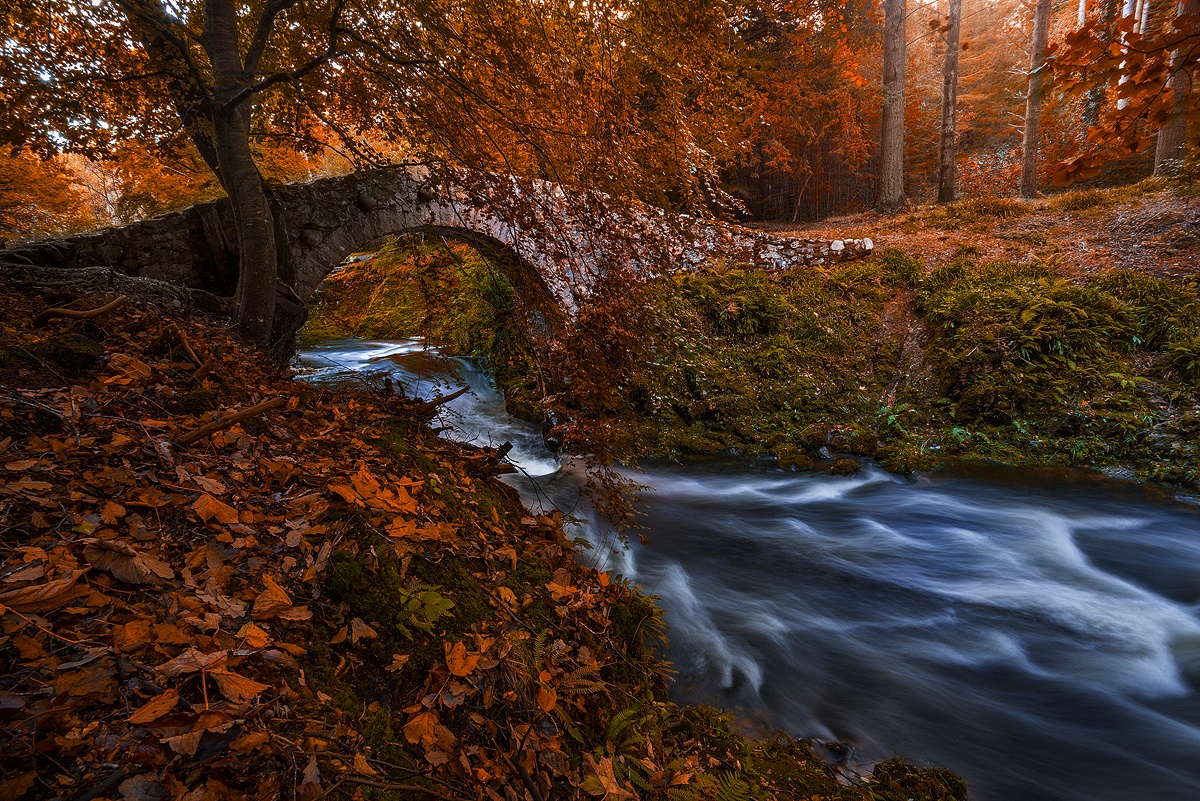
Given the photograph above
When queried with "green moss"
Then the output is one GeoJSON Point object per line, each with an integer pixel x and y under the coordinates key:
{"type": "Point", "coordinates": [71, 353]}
{"type": "Point", "coordinates": [197, 401]}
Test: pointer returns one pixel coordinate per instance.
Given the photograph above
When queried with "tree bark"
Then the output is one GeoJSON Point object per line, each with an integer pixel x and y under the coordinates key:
{"type": "Point", "coordinates": [1171, 147]}
{"type": "Point", "coordinates": [891, 144]}
{"type": "Point", "coordinates": [1033, 99]}
{"type": "Point", "coordinates": [947, 178]}
{"type": "Point", "coordinates": [258, 258]}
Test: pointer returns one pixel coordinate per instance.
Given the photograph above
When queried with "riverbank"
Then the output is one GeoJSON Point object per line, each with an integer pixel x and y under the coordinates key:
{"type": "Point", "coordinates": [220, 583]}
{"type": "Point", "coordinates": [1024, 356]}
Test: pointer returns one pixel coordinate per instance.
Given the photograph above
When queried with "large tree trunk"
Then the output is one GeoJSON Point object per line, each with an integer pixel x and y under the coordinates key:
{"type": "Point", "coordinates": [239, 175]}
{"type": "Point", "coordinates": [946, 171]}
{"type": "Point", "coordinates": [1171, 147]}
{"type": "Point", "coordinates": [891, 144]}
{"type": "Point", "coordinates": [1033, 100]}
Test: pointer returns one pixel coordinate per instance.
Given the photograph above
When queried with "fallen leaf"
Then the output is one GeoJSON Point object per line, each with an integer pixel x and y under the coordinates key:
{"type": "Point", "coordinates": [360, 630]}
{"type": "Point", "coordinates": [271, 601]}
{"type": "Point", "coordinates": [46, 597]}
{"type": "Point", "coordinates": [254, 636]}
{"type": "Point", "coordinates": [235, 687]}
{"type": "Point", "coordinates": [546, 698]}
{"type": "Point", "coordinates": [17, 786]}
{"type": "Point", "coordinates": [398, 663]}
{"type": "Point", "coordinates": [155, 708]}
{"type": "Point", "coordinates": [126, 562]}
{"type": "Point", "coordinates": [209, 508]}
{"type": "Point", "coordinates": [459, 661]}
{"type": "Point", "coordinates": [361, 766]}
{"type": "Point", "coordinates": [421, 728]}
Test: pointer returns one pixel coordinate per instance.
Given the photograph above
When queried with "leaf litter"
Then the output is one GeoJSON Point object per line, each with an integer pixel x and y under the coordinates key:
{"type": "Point", "coordinates": [176, 621]}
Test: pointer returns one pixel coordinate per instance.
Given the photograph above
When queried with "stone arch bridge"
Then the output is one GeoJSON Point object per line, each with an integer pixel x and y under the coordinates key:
{"type": "Point", "coordinates": [550, 238]}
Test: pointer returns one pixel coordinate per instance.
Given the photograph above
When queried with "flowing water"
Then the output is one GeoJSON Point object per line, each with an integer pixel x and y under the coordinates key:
{"type": "Point", "coordinates": [1040, 637]}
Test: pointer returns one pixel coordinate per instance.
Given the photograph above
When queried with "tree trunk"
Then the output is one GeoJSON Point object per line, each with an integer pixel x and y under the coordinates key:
{"type": "Point", "coordinates": [1033, 100]}
{"type": "Point", "coordinates": [891, 144]}
{"type": "Point", "coordinates": [1171, 147]}
{"type": "Point", "coordinates": [257, 255]}
{"type": "Point", "coordinates": [1096, 95]}
{"type": "Point", "coordinates": [946, 171]}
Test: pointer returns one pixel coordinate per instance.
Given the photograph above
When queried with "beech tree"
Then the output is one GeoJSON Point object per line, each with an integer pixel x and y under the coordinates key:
{"type": "Point", "coordinates": [891, 144]}
{"type": "Point", "coordinates": [1033, 98]}
{"type": "Point", "coordinates": [946, 172]}
{"type": "Point", "coordinates": [1172, 141]}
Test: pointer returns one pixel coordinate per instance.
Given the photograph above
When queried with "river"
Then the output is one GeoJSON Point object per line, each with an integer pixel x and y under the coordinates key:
{"type": "Point", "coordinates": [1040, 636]}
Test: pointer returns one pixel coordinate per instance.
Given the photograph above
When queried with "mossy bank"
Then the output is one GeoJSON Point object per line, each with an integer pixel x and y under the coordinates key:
{"type": "Point", "coordinates": [883, 358]}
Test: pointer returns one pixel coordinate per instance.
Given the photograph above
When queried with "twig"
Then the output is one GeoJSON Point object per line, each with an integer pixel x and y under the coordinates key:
{"type": "Point", "coordinates": [49, 314]}
{"type": "Point", "coordinates": [205, 368]}
{"type": "Point", "coordinates": [187, 346]}
{"type": "Point", "coordinates": [399, 788]}
{"type": "Point", "coordinates": [226, 422]}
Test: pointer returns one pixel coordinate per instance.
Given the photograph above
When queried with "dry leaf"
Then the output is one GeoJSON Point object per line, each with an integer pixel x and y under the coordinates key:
{"type": "Point", "coordinates": [126, 562]}
{"type": "Point", "coordinates": [361, 766]}
{"type": "Point", "coordinates": [46, 597]}
{"type": "Point", "coordinates": [546, 698]}
{"type": "Point", "coordinates": [459, 661]}
{"type": "Point", "coordinates": [155, 708]}
{"type": "Point", "coordinates": [237, 688]}
{"type": "Point", "coordinates": [421, 728]}
{"type": "Point", "coordinates": [209, 508]}
{"type": "Point", "coordinates": [360, 630]}
{"type": "Point", "coordinates": [271, 601]}
{"type": "Point", "coordinates": [254, 636]}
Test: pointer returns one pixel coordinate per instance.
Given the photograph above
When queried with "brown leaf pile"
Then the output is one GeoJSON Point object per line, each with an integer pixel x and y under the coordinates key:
{"type": "Point", "coordinates": [157, 602]}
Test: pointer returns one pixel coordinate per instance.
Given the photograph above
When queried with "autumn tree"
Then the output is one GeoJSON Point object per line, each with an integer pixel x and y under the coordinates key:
{"type": "Point", "coordinates": [1158, 66]}
{"type": "Point", "coordinates": [891, 145]}
{"type": "Point", "coordinates": [1172, 141]}
{"type": "Point", "coordinates": [625, 96]}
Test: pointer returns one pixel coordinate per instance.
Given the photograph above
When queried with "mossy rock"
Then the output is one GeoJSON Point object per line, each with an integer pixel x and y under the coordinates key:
{"type": "Point", "coordinates": [904, 458]}
{"type": "Point", "coordinates": [844, 466]}
{"type": "Point", "coordinates": [896, 780]}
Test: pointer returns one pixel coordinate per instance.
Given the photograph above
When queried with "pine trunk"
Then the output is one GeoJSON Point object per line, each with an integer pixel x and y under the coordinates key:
{"type": "Point", "coordinates": [1033, 100]}
{"type": "Point", "coordinates": [1171, 147]}
{"type": "Point", "coordinates": [946, 170]}
{"type": "Point", "coordinates": [891, 144]}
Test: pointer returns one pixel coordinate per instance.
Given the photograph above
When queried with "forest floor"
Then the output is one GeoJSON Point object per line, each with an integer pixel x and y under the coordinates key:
{"type": "Point", "coordinates": [217, 582]}
{"type": "Point", "coordinates": [1148, 226]}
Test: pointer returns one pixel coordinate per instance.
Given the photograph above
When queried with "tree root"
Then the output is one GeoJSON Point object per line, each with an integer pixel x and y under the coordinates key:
{"type": "Point", "coordinates": [50, 314]}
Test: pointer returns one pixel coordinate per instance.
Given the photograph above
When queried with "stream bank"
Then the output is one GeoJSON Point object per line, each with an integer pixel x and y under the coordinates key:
{"type": "Point", "coordinates": [321, 600]}
{"type": "Point", "coordinates": [980, 360]}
